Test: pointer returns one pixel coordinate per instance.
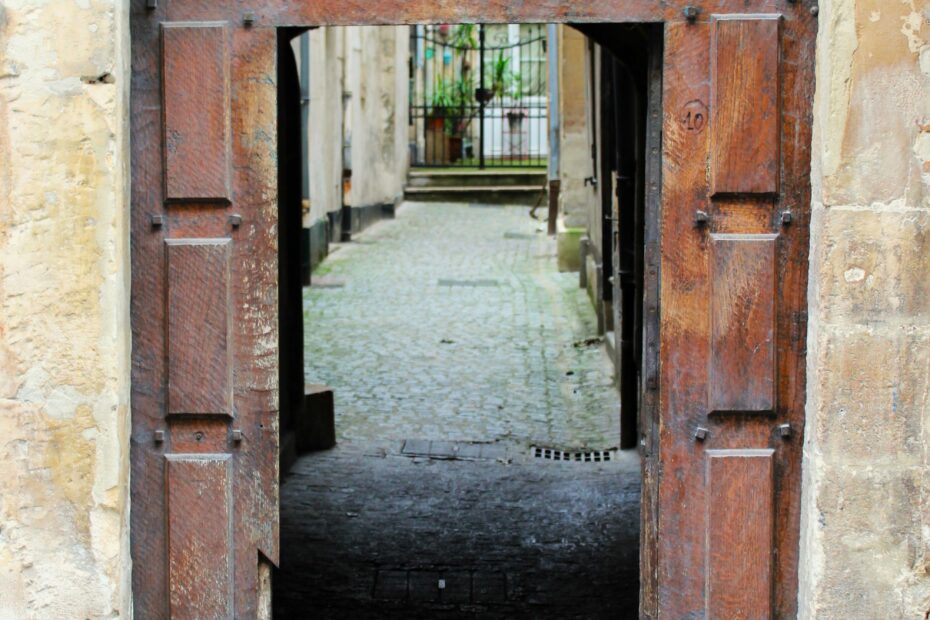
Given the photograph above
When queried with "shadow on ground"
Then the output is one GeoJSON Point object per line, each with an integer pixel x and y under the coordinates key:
{"type": "Point", "coordinates": [368, 533]}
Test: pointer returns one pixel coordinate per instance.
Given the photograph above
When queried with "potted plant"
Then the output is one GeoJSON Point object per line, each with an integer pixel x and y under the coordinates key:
{"type": "Point", "coordinates": [448, 120]}
{"type": "Point", "coordinates": [437, 150]}
{"type": "Point", "coordinates": [452, 98]}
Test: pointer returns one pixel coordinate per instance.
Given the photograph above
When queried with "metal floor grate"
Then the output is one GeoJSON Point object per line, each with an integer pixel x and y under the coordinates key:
{"type": "Point", "coordinates": [591, 456]}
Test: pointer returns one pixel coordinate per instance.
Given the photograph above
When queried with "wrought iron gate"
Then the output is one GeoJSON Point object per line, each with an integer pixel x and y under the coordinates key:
{"type": "Point", "coordinates": [479, 96]}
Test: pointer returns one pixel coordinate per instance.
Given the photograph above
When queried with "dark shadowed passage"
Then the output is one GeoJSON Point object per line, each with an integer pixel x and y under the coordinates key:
{"type": "Point", "coordinates": [476, 473]}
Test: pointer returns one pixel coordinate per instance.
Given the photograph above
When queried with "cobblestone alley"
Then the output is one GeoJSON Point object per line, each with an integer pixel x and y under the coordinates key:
{"type": "Point", "coordinates": [454, 348]}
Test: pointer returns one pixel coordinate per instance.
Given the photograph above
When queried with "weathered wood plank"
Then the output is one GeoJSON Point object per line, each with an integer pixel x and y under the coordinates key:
{"type": "Point", "coordinates": [200, 570]}
{"type": "Point", "coordinates": [740, 528]}
{"type": "Point", "coordinates": [195, 75]}
{"type": "Point", "coordinates": [745, 107]}
{"type": "Point", "coordinates": [741, 375]}
{"type": "Point", "coordinates": [199, 327]}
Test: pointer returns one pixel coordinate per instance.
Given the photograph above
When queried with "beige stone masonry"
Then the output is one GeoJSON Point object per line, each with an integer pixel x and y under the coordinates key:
{"type": "Point", "coordinates": [865, 549]}
{"type": "Point", "coordinates": [64, 309]}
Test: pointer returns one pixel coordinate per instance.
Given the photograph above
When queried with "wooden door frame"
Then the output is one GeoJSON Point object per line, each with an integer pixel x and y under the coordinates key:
{"type": "Point", "coordinates": [274, 14]}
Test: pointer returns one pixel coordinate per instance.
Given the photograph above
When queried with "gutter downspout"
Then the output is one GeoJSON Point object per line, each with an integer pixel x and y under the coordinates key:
{"type": "Point", "coordinates": [306, 243]}
{"type": "Point", "coordinates": [305, 110]}
{"type": "Point", "coordinates": [555, 123]}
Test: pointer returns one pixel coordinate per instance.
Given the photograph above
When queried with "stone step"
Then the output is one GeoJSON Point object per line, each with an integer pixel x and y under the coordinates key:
{"type": "Point", "coordinates": [480, 178]}
{"type": "Point", "coordinates": [490, 194]}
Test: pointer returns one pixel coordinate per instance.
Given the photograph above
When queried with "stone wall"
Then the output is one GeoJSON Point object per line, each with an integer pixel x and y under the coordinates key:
{"type": "Point", "coordinates": [325, 132]}
{"type": "Point", "coordinates": [576, 164]}
{"type": "Point", "coordinates": [376, 77]}
{"type": "Point", "coordinates": [866, 506]}
{"type": "Point", "coordinates": [358, 96]}
{"type": "Point", "coordinates": [576, 201]}
{"type": "Point", "coordinates": [64, 309]}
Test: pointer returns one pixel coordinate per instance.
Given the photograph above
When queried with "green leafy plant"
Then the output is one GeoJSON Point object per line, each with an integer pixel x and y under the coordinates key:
{"type": "Point", "coordinates": [449, 100]}
{"type": "Point", "coordinates": [501, 75]}
{"type": "Point", "coordinates": [465, 36]}
{"type": "Point", "coordinates": [442, 96]}
{"type": "Point", "coordinates": [516, 86]}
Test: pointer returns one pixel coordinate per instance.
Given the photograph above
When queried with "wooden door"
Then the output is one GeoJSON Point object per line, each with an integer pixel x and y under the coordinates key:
{"type": "Point", "coordinates": [725, 250]}
{"type": "Point", "coordinates": [204, 310]}
{"type": "Point", "coordinates": [736, 98]}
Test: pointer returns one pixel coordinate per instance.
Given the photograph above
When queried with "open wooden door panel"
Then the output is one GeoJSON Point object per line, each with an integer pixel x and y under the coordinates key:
{"type": "Point", "coordinates": [204, 311]}
{"type": "Point", "coordinates": [737, 91]}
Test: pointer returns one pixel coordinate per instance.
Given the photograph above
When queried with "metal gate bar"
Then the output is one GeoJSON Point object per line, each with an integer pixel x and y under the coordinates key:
{"type": "Point", "coordinates": [479, 96]}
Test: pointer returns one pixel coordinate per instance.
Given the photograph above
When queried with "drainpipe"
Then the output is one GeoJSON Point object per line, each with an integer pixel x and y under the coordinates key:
{"type": "Point", "coordinates": [305, 111]}
{"type": "Point", "coordinates": [555, 122]}
{"type": "Point", "coordinates": [306, 250]}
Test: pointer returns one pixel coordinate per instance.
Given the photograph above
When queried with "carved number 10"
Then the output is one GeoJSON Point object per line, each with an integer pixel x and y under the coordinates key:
{"type": "Point", "coordinates": [694, 116]}
{"type": "Point", "coordinates": [694, 121]}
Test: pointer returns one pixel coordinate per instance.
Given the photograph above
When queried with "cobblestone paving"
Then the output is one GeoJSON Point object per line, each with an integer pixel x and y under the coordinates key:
{"type": "Point", "coordinates": [369, 534]}
{"type": "Point", "coordinates": [449, 332]}
{"type": "Point", "coordinates": [453, 323]}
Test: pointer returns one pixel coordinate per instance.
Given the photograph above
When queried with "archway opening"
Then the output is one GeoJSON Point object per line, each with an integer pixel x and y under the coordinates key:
{"type": "Point", "coordinates": [478, 398]}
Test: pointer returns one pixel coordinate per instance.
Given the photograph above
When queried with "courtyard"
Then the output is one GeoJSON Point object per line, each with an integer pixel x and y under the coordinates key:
{"type": "Point", "coordinates": [465, 370]}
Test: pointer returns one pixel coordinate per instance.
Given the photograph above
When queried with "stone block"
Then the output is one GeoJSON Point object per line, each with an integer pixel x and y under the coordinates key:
{"type": "Point", "coordinates": [316, 425]}
{"type": "Point", "coordinates": [457, 587]}
{"type": "Point", "coordinates": [874, 555]}
{"type": "Point", "coordinates": [569, 249]}
{"type": "Point", "coordinates": [872, 390]}
{"type": "Point", "coordinates": [391, 585]}
{"type": "Point", "coordinates": [424, 586]}
{"type": "Point", "coordinates": [874, 266]}
{"type": "Point", "coordinates": [874, 67]}
{"type": "Point", "coordinates": [489, 587]}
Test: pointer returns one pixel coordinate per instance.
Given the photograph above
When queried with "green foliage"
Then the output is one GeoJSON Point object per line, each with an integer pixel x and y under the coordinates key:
{"type": "Point", "coordinates": [453, 94]}
{"type": "Point", "coordinates": [442, 95]}
{"type": "Point", "coordinates": [449, 100]}
{"type": "Point", "coordinates": [500, 75]}
{"type": "Point", "coordinates": [465, 36]}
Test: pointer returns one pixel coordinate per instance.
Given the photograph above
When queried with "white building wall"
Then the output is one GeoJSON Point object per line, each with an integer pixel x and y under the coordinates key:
{"type": "Point", "coordinates": [358, 116]}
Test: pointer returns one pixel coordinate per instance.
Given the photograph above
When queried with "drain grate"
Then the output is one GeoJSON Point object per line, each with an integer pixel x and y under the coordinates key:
{"type": "Point", "coordinates": [591, 456]}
